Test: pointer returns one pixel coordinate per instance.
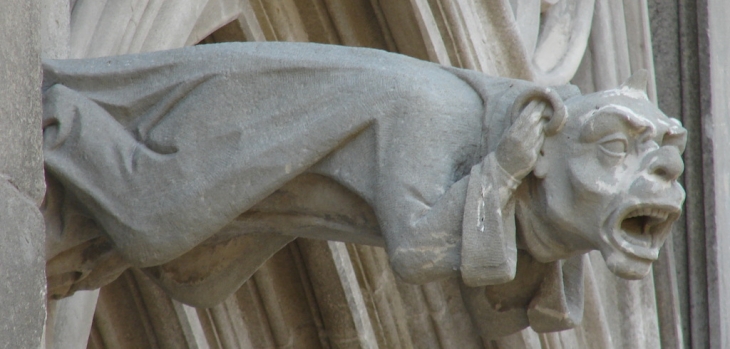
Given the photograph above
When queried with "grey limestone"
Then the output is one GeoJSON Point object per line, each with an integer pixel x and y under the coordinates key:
{"type": "Point", "coordinates": [176, 154]}
{"type": "Point", "coordinates": [716, 108]}
{"type": "Point", "coordinates": [690, 42]}
{"type": "Point", "coordinates": [22, 290]}
{"type": "Point", "coordinates": [55, 28]}
{"type": "Point", "coordinates": [688, 52]}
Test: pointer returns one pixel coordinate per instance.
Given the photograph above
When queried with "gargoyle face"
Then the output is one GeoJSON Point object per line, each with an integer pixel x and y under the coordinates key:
{"type": "Point", "coordinates": [607, 181]}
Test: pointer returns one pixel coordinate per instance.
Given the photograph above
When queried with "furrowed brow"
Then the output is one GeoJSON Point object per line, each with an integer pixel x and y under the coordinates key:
{"type": "Point", "coordinates": [610, 119]}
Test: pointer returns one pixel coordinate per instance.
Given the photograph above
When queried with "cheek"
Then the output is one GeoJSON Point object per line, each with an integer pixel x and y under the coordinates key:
{"type": "Point", "coordinates": [597, 172]}
{"type": "Point", "coordinates": [596, 177]}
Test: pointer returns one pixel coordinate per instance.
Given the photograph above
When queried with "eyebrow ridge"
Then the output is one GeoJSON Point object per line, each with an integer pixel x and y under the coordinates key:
{"type": "Point", "coordinates": [626, 115]}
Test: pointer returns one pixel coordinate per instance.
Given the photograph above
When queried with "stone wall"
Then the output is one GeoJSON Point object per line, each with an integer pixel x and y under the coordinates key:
{"type": "Point", "coordinates": [22, 262]}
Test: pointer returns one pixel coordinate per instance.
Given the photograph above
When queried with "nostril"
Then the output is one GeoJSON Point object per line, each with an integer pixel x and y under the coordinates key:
{"type": "Point", "coordinates": [668, 172]}
{"type": "Point", "coordinates": [667, 168]}
{"type": "Point", "coordinates": [666, 163]}
{"type": "Point", "coordinates": [661, 172]}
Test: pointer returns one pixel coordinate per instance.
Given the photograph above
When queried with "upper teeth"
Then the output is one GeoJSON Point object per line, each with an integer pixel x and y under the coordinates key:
{"type": "Point", "coordinates": [651, 212]}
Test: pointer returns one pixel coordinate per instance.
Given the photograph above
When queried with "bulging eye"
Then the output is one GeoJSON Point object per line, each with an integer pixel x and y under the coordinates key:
{"type": "Point", "coordinates": [614, 146]}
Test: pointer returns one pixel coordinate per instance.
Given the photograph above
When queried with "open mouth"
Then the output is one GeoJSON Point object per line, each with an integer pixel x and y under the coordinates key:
{"type": "Point", "coordinates": [641, 230]}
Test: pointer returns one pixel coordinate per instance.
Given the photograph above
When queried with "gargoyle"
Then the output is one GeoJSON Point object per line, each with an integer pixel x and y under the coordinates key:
{"type": "Point", "coordinates": [157, 159]}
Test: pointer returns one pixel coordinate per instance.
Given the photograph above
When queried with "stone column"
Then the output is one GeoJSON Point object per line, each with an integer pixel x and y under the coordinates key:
{"type": "Point", "coordinates": [22, 262]}
{"type": "Point", "coordinates": [693, 80]}
{"type": "Point", "coordinates": [715, 77]}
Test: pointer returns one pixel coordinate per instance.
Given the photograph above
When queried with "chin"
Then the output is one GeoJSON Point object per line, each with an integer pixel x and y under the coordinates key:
{"type": "Point", "coordinates": [627, 267]}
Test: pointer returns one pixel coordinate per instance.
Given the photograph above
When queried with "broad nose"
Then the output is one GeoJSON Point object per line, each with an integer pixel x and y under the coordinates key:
{"type": "Point", "coordinates": [666, 163]}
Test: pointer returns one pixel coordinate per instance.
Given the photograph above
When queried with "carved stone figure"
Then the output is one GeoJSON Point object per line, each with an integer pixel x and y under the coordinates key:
{"type": "Point", "coordinates": [197, 164]}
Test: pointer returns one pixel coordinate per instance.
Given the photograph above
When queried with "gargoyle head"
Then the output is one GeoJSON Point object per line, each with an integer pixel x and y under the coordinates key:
{"type": "Point", "coordinates": [607, 181]}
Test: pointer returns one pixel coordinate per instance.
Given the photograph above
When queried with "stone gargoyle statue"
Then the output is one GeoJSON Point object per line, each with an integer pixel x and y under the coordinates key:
{"type": "Point", "coordinates": [198, 164]}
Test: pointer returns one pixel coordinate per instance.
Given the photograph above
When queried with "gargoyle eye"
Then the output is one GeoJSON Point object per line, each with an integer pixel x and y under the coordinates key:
{"type": "Point", "coordinates": [615, 146]}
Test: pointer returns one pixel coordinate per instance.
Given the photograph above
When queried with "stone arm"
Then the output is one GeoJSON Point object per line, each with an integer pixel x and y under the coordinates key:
{"type": "Point", "coordinates": [489, 248]}
{"type": "Point", "coordinates": [433, 243]}
{"type": "Point", "coordinates": [435, 229]}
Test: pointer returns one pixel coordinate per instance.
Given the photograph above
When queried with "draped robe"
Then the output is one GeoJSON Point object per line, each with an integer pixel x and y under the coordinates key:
{"type": "Point", "coordinates": [171, 150]}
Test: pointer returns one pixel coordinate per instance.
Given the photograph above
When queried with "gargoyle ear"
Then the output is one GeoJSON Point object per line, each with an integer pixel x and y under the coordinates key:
{"type": "Point", "coordinates": [559, 111]}
{"type": "Point", "coordinates": [638, 81]}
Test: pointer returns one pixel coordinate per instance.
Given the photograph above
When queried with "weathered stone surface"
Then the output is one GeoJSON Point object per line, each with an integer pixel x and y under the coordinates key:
{"type": "Point", "coordinates": [55, 28]}
{"type": "Point", "coordinates": [690, 43]}
{"type": "Point", "coordinates": [447, 30]}
{"type": "Point", "coordinates": [21, 157]}
{"type": "Point", "coordinates": [22, 290]}
{"type": "Point", "coordinates": [69, 320]}
{"type": "Point", "coordinates": [675, 61]}
{"type": "Point", "coordinates": [426, 157]}
{"type": "Point", "coordinates": [716, 109]}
